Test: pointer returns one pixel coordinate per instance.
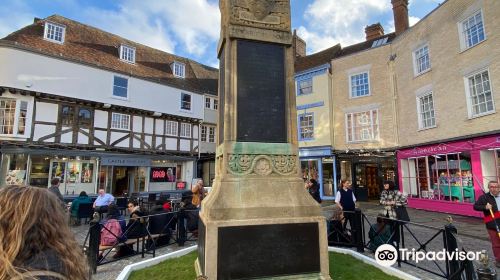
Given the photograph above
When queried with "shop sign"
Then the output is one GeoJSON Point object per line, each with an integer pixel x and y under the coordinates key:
{"type": "Point", "coordinates": [124, 161]}
{"type": "Point", "coordinates": [315, 153]}
{"type": "Point", "coordinates": [162, 174]}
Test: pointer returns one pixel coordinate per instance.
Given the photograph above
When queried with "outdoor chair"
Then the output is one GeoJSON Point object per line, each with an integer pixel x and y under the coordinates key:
{"type": "Point", "coordinates": [85, 211]}
{"type": "Point", "coordinates": [121, 203]}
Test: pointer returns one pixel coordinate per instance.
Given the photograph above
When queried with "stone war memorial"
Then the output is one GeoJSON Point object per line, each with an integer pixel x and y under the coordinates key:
{"type": "Point", "coordinates": [259, 221]}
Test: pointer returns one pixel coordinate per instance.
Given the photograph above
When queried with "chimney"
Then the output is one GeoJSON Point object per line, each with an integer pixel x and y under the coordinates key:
{"type": "Point", "coordinates": [35, 20]}
{"type": "Point", "coordinates": [400, 10]}
{"type": "Point", "coordinates": [374, 31]}
{"type": "Point", "coordinates": [299, 45]}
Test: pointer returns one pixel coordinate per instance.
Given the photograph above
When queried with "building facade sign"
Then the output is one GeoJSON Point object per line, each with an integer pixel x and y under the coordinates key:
{"type": "Point", "coordinates": [125, 161]}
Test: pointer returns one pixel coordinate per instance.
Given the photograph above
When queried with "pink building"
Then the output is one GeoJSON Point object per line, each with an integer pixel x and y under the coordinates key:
{"type": "Point", "coordinates": [449, 177]}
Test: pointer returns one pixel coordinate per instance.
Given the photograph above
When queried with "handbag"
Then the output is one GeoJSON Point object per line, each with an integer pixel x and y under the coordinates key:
{"type": "Point", "coordinates": [402, 214]}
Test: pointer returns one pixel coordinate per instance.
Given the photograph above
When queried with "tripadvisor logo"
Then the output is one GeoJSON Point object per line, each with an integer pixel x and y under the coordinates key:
{"type": "Point", "coordinates": [387, 255]}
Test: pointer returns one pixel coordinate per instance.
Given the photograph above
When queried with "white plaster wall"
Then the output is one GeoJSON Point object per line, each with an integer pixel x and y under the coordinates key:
{"type": "Point", "coordinates": [159, 126]}
{"type": "Point", "coordinates": [159, 141]}
{"type": "Point", "coordinates": [210, 116]}
{"type": "Point", "coordinates": [46, 112]}
{"type": "Point", "coordinates": [116, 135]}
{"type": "Point", "coordinates": [148, 140]}
{"type": "Point", "coordinates": [43, 130]}
{"type": "Point", "coordinates": [45, 74]}
{"type": "Point", "coordinates": [137, 144]}
{"type": "Point", "coordinates": [170, 143]}
{"type": "Point", "coordinates": [148, 125]}
{"type": "Point", "coordinates": [100, 119]}
{"type": "Point", "coordinates": [124, 143]}
{"type": "Point", "coordinates": [207, 147]}
{"type": "Point", "coordinates": [82, 138]}
{"type": "Point", "coordinates": [137, 125]}
{"type": "Point", "coordinates": [185, 145]}
{"type": "Point", "coordinates": [101, 135]}
{"type": "Point", "coordinates": [67, 137]}
{"type": "Point", "coordinates": [196, 129]}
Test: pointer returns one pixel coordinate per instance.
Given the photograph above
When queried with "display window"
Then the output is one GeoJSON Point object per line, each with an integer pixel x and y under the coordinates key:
{"type": "Point", "coordinates": [445, 177]}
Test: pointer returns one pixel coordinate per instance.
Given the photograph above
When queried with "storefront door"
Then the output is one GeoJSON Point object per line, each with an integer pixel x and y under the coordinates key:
{"type": "Point", "coordinates": [366, 184]}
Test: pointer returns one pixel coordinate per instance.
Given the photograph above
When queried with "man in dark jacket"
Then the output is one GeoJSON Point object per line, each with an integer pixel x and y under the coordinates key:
{"type": "Point", "coordinates": [54, 188]}
{"type": "Point", "coordinates": [486, 202]}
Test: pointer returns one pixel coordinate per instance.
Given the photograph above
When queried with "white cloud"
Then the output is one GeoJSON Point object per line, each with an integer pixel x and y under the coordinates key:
{"type": "Point", "coordinates": [413, 20]}
{"type": "Point", "coordinates": [11, 21]}
{"type": "Point", "coordinates": [341, 21]}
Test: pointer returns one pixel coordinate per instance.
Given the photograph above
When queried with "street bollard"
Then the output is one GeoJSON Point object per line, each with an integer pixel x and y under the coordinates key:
{"type": "Point", "coordinates": [450, 243]}
{"type": "Point", "coordinates": [93, 250]}
{"type": "Point", "coordinates": [181, 227]}
{"type": "Point", "coordinates": [358, 230]}
{"type": "Point", "coordinates": [485, 272]}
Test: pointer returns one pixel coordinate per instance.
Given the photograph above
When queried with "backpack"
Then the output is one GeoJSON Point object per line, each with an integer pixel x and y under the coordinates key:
{"type": "Point", "coordinates": [111, 232]}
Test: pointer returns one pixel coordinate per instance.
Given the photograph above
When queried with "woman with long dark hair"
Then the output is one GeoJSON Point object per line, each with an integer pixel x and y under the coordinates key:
{"type": "Point", "coordinates": [35, 239]}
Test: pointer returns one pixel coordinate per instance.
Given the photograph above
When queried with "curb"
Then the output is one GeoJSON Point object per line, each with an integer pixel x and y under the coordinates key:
{"type": "Point", "coordinates": [387, 270]}
{"type": "Point", "coordinates": [154, 261]}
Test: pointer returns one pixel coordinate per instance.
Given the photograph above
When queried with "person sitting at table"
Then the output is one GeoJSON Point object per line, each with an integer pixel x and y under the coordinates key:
{"type": "Point", "coordinates": [75, 205]}
{"type": "Point", "coordinates": [103, 201]}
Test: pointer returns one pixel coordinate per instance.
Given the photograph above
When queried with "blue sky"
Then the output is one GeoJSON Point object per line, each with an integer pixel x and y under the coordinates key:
{"type": "Point", "coordinates": [190, 28]}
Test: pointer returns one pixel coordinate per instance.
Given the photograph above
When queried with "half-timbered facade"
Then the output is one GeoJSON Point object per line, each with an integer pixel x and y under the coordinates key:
{"type": "Point", "coordinates": [98, 110]}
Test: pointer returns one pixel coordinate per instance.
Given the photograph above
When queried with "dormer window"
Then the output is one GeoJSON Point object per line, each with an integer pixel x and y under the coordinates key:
{"type": "Point", "coordinates": [179, 69]}
{"type": "Point", "coordinates": [127, 53]}
{"type": "Point", "coordinates": [54, 32]}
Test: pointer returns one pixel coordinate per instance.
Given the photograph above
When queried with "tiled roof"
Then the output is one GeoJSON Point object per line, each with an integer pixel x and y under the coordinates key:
{"type": "Point", "coordinates": [89, 45]}
{"type": "Point", "coordinates": [317, 59]}
{"type": "Point", "coordinates": [320, 58]}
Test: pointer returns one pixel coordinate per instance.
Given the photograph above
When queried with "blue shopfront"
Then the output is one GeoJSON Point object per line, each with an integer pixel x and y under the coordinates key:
{"type": "Point", "coordinates": [319, 163]}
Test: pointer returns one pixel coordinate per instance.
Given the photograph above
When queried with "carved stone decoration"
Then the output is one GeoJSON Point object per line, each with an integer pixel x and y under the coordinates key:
{"type": "Point", "coordinates": [273, 14]}
{"type": "Point", "coordinates": [260, 8]}
{"type": "Point", "coordinates": [262, 166]}
{"type": "Point", "coordinates": [284, 164]}
{"type": "Point", "coordinates": [240, 164]}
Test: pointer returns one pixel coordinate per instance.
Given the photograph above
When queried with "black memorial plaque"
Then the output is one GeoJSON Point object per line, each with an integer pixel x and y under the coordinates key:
{"type": "Point", "coordinates": [267, 250]}
{"type": "Point", "coordinates": [261, 92]}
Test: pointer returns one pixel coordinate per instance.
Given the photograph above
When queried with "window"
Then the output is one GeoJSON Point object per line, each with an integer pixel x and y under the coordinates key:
{"type": "Point", "coordinates": [439, 177]}
{"type": "Point", "coordinates": [54, 32]}
{"type": "Point", "coordinates": [67, 115]}
{"type": "Point", "coordinates": [379, 42]}
{"type": "Point", "coordinates": [426, 118]}
{"type": "Point", "coordinates": [421, 61]}
{"type": "Point", "coordinates": [207, 102]}
{"type": "Point", "coordinates": [362, 126]}
{"type": "Point", "coordinates": [179, 69]}
{"type": "Point", "coordinates": [306, 126]}
{"type": "Point", "coordinates": [480, 97]}
{"type": "Point", "coordinates": [186, 130]}
{"type": "Point", "coordinates": [360, 85]}
{"type": "Point", "coordinates": [211, 103]}
{"type": "Point", "coordinates": [120, 87]}
{"type": "Point", "coordinates": [13, 116]}
{"type": "Point", "coordinates": [171, 128]}
{"type": "Point", "coordinates": [304, 86]}
{"type": "Point", "coordinates": [84, 117]}
{"type": "Point", "coordinates": [186, 101]}
{"type": "Point", "coordinates": [216, 104]}
{"type": "Point", "coordinates": [127, 53]}
{"type": "Point", "coordinates": [207, 134]}
{"type": "Point", "coordinates": [120, 121]}
{"type": "Point", "coordinates": [472, 31]}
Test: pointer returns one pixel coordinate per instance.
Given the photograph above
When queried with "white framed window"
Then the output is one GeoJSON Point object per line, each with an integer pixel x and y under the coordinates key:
{"type": "Point", "coordinates": [208, 103]}
{"type": "Point", "coordinates": [186, 130]}
{"type": "Point", "coordinates": [304, 86]}
{"type": "Point", "coordinates": [179, 69]}
{"type": "Point", "coordinates": [216, 104]}
{"type": "Point", "coordinates": [127, 53]}
{"type": "Point", "coordinates": [362, 126]}
{"type": "Point", "coordinates": [479, 94]}
{"type": "Point", "coordinates": [306, 126]}
{"type": "Point", "coordinates": [421, 60]}
{"type": "Point", "coordinates": [211, 134]}
{"type": "Point", "coordinates": [13, 117]}
{"type": "Point", "coordinates": [359, 85]}
{"type": "Point", "coordinates": [425, 109]}
{"type": "Point", "coordinates": [171, 128]}
{"type": "Point", "coordinates": [186, 101]}
{"type": "Point", "coordinates": [120, 87]}
{"type": "Point", "coordinates": [120, 121]}
{"type": "Point", "coordinates": [204, 129]}
{"type": "Point", "coordinates": [472, 31]}
{"type": "Point", "coordinates": [54, 32]}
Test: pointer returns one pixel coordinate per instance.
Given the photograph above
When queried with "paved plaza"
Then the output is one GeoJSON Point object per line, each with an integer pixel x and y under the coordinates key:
{"type": "Point", "coordinates": [471, 235]}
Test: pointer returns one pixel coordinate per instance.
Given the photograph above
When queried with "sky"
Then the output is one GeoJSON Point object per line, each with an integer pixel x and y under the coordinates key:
{"type": "Point", "coordinates": [191, 28]}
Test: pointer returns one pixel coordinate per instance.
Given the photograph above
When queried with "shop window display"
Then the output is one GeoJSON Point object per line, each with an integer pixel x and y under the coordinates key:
{"type": "Point", "coordinates": [16, 172]}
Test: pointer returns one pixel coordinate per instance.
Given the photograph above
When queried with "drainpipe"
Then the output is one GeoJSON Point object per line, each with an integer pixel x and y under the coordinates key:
{"type": "Point", "coordinates": [394, 89]}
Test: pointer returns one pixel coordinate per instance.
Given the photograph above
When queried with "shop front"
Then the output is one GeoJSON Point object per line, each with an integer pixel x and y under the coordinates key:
{"type": "Point", "coordinates": [366, 171]}
{"type": "Point", "coordinates": [450, 176]}
{"type": "Point", "coordinates": [118, 174]}
{"type": "Point", "coordinates": [319, 164]}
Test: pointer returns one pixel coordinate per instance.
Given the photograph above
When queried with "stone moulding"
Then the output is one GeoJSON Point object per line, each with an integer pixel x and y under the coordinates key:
{"type": "Point", "coordinates": [245, 164]}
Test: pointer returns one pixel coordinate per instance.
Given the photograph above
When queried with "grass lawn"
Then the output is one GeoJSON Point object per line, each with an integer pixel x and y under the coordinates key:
{"type": "Point", "coordinates": [342, 267]}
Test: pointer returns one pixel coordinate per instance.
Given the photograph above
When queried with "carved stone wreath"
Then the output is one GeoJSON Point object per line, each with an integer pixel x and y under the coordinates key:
{"type": "Point", "coordinates": [263, 165]}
